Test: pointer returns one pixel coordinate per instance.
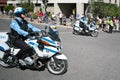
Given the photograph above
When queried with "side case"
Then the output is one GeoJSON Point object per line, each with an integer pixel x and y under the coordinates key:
{"type": "Point", "coordinates": [3, 45]}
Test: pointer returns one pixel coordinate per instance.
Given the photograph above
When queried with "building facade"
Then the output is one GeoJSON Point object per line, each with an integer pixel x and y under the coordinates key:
{"type": "Point", "coordinates": [66, 7]}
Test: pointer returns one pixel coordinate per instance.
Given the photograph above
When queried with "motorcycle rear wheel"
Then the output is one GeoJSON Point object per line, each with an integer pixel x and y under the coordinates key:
{"type": "Point", "coordinates": [9, 64]}
{"type": "Point", "coordinates": [3, 64]}
{"type": "Point", "coordinates": [58, 67]}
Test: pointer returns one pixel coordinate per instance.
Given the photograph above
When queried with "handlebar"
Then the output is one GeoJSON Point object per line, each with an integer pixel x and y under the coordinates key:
{"type": "Point", "coordinates": [36, 35]}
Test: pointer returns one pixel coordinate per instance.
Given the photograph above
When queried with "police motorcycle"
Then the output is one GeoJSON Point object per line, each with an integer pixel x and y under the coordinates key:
{"type": "Point", "coordinates": [47, 46]}
{"type": "Point", "coordinates": [91, 30]}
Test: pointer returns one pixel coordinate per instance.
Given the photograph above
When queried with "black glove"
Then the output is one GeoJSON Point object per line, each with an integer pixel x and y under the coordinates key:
{"type": "Point", "coordinates": [30, 34]}
{"type": "Point", "coordinates": [33, 34]}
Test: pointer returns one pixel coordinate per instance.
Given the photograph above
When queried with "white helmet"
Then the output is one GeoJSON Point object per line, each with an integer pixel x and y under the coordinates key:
{"type": "Point", "coordinates": [18, 11]}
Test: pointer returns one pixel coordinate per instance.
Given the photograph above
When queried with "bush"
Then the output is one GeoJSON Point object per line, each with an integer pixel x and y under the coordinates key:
{"type": "Point", "coordinates": [34, 15]}
{"type": "Point", "coordinates": [9, 7]}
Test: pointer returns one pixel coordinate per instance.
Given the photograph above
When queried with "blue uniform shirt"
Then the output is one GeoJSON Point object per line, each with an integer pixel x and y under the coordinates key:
{"type": "Point", "coordinates": [15, 26]}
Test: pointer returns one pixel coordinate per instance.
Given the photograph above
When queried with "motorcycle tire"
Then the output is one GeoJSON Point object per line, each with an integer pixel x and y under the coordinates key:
{"type": "Point", "coordinates": [75, 32]}
{"type": "Point", "coordinates": [94, 34]}
{"type": "Point", "coordinates": [9, 64]}
{"type": "Point", "coordinates": [3, 64]}
{"type": "Point", "coordinates": [58, 67]}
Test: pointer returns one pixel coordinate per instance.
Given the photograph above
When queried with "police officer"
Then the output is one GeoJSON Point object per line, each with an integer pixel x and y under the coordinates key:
{"type": "Point", "coordinates": [84, 22]}
{"type": "Point", "coordinates": [20, 30]}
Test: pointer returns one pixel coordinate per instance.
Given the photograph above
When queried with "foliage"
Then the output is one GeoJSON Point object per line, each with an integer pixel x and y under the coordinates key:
{"type": "Point", "coordinates": [34, 15]}
{"type": "Point", "coordinates": [9, 7]}
{"type": "Point", "coordinates": [41, 9]}
{"type": "Point", "coordinates": [105, 10]}
{"type": "Point", "coordinates": [27, 5]}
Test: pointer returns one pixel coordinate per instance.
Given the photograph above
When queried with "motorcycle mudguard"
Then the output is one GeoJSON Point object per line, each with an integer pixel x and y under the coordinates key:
{"type": "Point", "coordinates": [61, 56]}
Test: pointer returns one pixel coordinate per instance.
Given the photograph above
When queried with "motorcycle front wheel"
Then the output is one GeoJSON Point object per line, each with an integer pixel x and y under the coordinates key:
{"type": "Point", "coordinates": [57, 67]}
{"type": "Point", "coordinates": [94, 33]}
{"type": "Point", "coordinates": [74, 32]}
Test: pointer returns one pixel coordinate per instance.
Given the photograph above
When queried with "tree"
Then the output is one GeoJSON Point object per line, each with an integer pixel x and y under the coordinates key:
{"type": "Point", "coordinates": [27, 5]}
{"type": "Point", "coordinates": [105, 10]}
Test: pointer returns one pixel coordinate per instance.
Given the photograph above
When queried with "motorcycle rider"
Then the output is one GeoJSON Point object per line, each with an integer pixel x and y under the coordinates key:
{"type": "Point", "coordinates": [20, 30]}
{"type": "Point", "coordinates": [84, 22]}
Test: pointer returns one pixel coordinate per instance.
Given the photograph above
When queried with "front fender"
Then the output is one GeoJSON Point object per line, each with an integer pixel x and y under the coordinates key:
{"type": "Point", "coordinates": [61, 56]}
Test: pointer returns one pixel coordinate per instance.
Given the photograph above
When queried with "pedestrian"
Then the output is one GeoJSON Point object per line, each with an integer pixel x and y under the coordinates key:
{"type": "Point", "coordinates": [111, 24]}
{"type": "Point", "coordinates": [114, 22]}
{"type": "Point", "coordinates": [11, 13]}
{"type": "Point", "coordinates": [40, 16]}
{"type": "Point", "coordinates": [60, 18]}
{"type": "Point", "coordinates": [31, 18]}
{"type": "Point", "coordinates": [53, 17]}
{"type": "Point", "coordinates": [64, 20]}
{"type": "Point", "coordinates": [104, 21]}
{"type": "Point", "coordinates": [71, 17]}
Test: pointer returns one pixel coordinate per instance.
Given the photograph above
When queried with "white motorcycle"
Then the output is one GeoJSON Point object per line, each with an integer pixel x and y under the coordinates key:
{"type": "Point", "coordinates": [47, 48]}
{"type": "Point", "coordinates": [91, 29]}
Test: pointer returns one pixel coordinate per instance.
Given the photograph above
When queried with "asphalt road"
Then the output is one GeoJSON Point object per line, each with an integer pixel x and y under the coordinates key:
{"type": "Point", "coordinates": [89, 58]}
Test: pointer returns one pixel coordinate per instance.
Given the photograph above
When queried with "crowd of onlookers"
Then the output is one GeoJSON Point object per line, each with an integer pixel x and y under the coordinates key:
{"type": "Point", "coordinates": [51, 17]}
{"type": "Point", "coordinates": [107, 24]}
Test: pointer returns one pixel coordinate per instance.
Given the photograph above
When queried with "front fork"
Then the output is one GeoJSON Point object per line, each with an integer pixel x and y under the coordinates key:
{"type": "Point", "coordinates": [57, 57]}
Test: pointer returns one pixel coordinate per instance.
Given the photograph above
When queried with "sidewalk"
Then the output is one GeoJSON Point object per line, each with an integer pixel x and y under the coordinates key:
{"type": "Point", "coordinates": [35, 21]}
{"type": "Point", "coordinates": [57, 24]}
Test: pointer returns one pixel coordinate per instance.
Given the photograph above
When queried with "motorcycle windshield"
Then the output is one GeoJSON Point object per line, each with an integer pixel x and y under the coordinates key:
{"type": "Point", "coordinates": [53, 34]}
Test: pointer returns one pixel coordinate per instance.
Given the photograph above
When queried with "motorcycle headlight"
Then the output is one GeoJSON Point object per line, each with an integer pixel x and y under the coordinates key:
{"type": "Point", "coordinates": [57, 43]}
